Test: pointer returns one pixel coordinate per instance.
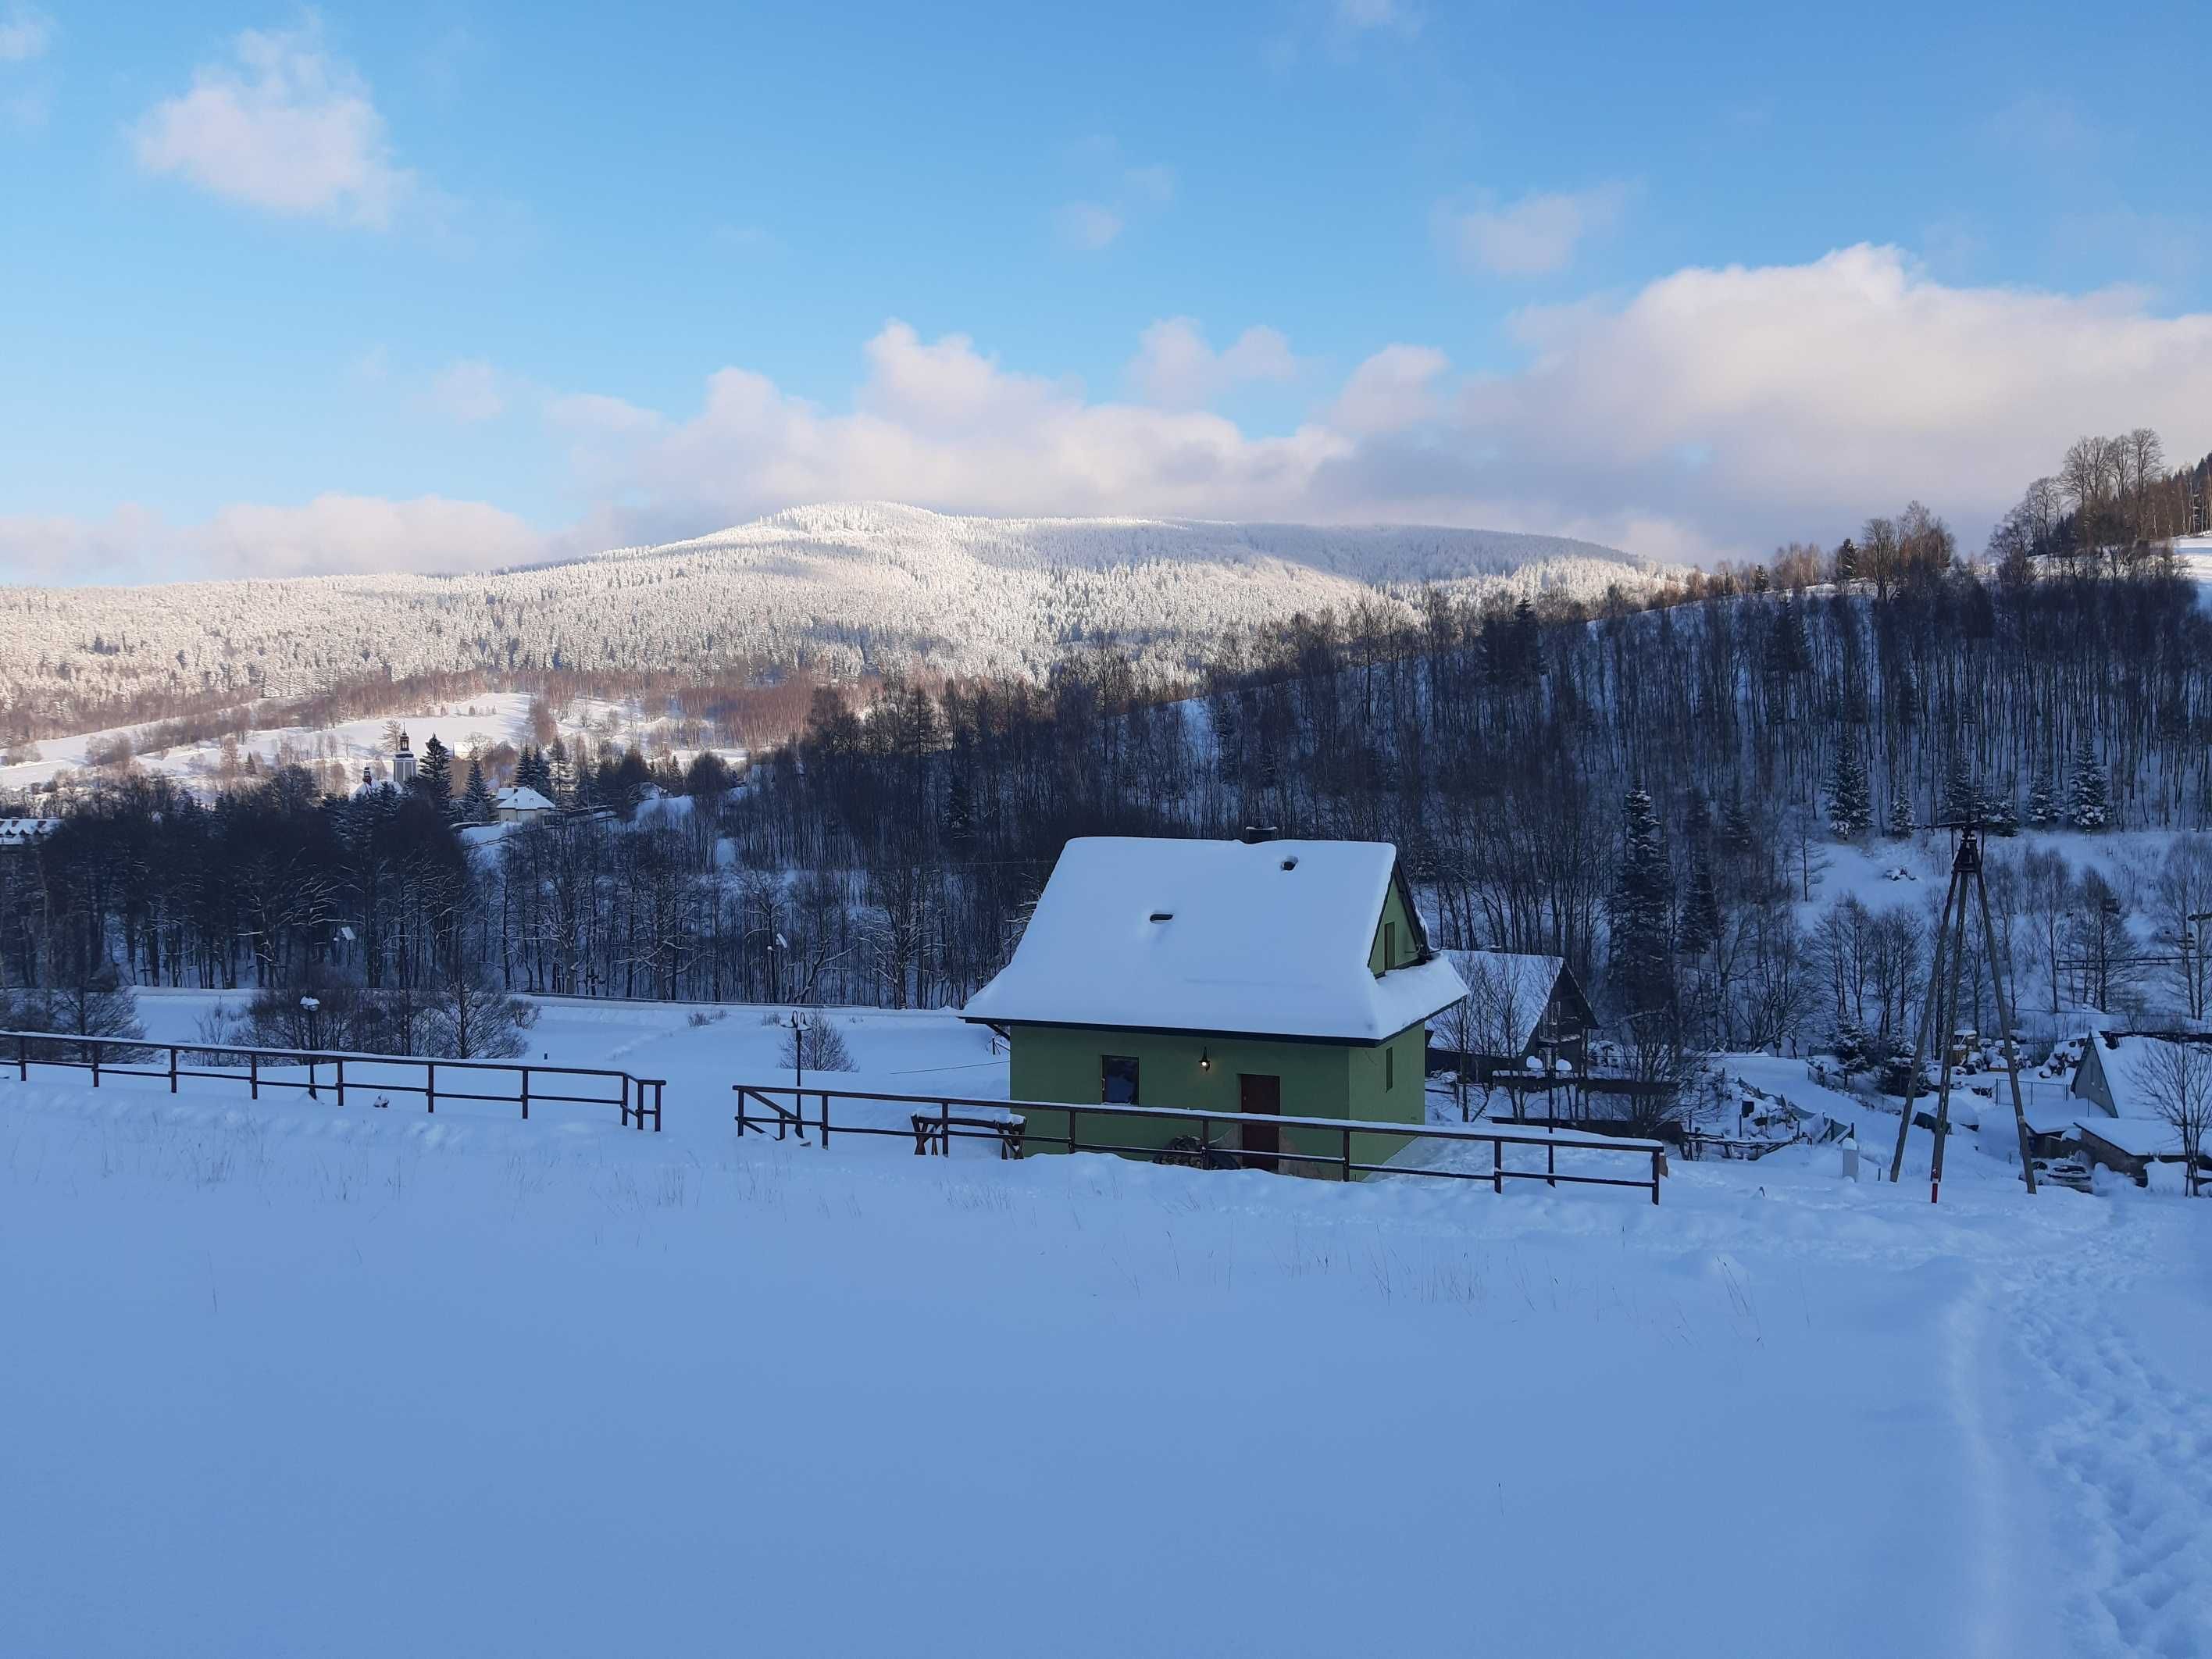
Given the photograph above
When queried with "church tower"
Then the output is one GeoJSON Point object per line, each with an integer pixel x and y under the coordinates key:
{"type": "Point", "coordinates": [403, 763]}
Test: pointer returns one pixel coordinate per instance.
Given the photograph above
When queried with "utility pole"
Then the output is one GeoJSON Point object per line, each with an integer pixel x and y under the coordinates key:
{"type": "Point", "coordinates": [1940, 1017]}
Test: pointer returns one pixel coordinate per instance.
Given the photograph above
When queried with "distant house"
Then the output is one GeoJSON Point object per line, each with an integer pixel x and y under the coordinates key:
{"type": "Point", "coordinates": [520, 804]}
{"type": "Point", "coordinates": [1288, 978]}
{"type": "Point", "coordinates": [2122, 1129]}
{"type": "Point", "coordinates": [1525, 1017]}
{"type": "Point", "coordinates": [2113, 1077]}
{"type": "Point", "coordinates": [19, 834]}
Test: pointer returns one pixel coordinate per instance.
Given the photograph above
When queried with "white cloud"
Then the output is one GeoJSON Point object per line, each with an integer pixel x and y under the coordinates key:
{"type": "Point", "coordinates": [335, 532]}
{"type": "Point", "coordinates": [25, 33]}
{"type": "Point", "coordinates": [1393, 390]}
{"type": "Point", "coordinates": [286, 128]}
{"type": "Point", "coordinates": [1087, 226]}
{"type": "Point", "coordinates": [469, 391]}
{"type": "Point", "coordinates": [1362, 15]}
{"type": "Point", "coordinates": [1155, 184]}
{"type": "Point", "coordinates": [1176, 369]}
{"type": "Point", "coordinates": [332, 534]}
{"type": "Point", "coordinates": [1535, 235]}
{"type": "Point", "coordinates": [1824, 392]}
{"type": "Point", "coordinates": [1712, 414]}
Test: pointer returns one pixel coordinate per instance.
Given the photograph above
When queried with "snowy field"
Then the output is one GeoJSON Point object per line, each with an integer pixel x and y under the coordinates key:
{"type": "Point", "coordinates": [465, 727]}
{"type": "Point", "coordinates": [284, 1379]}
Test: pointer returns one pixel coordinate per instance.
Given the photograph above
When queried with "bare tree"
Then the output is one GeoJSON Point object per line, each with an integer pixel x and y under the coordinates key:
{"type": "Point", "coordinates": [1487, 1024]}
{"type": "Point", "coordinates": [2177, 1076]}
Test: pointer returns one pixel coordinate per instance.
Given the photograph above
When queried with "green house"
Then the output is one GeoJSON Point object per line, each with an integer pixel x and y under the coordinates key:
{"type": "Point", "coordinates": [1282, 978]}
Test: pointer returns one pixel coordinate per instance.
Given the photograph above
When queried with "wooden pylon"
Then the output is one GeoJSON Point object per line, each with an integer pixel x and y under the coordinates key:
{"type": "Point", "coordinates": [1940, 1017]}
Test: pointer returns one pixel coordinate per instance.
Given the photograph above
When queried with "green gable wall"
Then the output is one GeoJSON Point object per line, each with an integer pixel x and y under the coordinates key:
{"type": "Point", "coordinates": [1319, 1080]}
{"type": "Point", "coordinates": [1400, 925]}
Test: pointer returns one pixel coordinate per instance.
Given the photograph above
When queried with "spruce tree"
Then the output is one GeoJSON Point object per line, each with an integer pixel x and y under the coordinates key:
{"type": "Point", "coordinates": [2088, 807]}
{"type": "Point", "coordinates": [1847, 560]}
{"type": "Point", "coordinates": [2043, 798]}
{"type": "Point", "coordinates": [1962, 800]}
{"type": "Point", "coordinates": [433, 776]}
{"type": "Point", "coordinates": [1851, 801]}
{"type": "Point", "coordinates": [2000, 812]}
{"type": "Point", "coordinates": [1901, 817]}
{"type": "Point", "coordinates": [531, 772]}
{"type": "Point", "coordinates": [1642, 910]}
{"type": "Point", "coordinates": [476, 800]}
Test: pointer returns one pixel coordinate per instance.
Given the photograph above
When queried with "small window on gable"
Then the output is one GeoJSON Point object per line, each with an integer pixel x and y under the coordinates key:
{"type": "Point", "coordinates": [1389, 945]}
{"type": "Point", "coordinates": [1117, 1079]}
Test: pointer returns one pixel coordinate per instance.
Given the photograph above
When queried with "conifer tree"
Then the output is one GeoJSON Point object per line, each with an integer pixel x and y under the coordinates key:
{"type": "Point", "coordinates": [476, 800]}
{"type": "Point", "coordinates": [1901, 817]}
{"type": "Point", "coordinates": [1642, 910]}
{"type": "Point", "coordinates": [2043, 798]}
{"type": "Point", "coordinates": [434, 775]}
{"type": "Point", "coordinates": [1850, 802]}
{"type": "Point", "coordinates": [1962, 800]}
{"type": "Point", "coordinates": [2088, 806]}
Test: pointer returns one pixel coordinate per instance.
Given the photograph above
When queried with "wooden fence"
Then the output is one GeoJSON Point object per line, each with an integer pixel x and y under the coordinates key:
{"type": "Point", "coordinates": [637, 1098]}
{"type": "Point", "coordinates": [937, 1120]}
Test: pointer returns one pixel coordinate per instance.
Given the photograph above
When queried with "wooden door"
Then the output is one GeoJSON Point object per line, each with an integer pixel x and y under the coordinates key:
{"type": "Point", "coordinates": [1256, 1093]}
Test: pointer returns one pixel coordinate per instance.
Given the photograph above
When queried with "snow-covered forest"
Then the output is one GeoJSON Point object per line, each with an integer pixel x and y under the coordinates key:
{"type": "Point", "coordinates": [1719, 813]}
{"type": "Point", "coordinates": [836, 590]}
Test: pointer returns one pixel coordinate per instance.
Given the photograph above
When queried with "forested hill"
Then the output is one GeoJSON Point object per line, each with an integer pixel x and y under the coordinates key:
{"type": "Point", "coordinates": [838, 589]}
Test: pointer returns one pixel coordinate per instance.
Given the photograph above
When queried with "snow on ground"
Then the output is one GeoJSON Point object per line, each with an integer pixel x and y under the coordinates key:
{"type": "Point", "coordinates": [464, 727]}
{"type": "Point", "coordinates": [359, 1382]}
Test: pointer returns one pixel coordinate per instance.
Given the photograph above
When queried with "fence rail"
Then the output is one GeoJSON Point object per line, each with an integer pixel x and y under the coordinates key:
{"type": "Point", "coordinates": [637, 1098]}
{"type": "Point", "coordinates": [942, 1119]}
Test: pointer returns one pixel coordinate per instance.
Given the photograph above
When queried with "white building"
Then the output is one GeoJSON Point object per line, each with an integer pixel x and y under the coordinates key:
{"type": "Point", "coordinates": [520, 804]}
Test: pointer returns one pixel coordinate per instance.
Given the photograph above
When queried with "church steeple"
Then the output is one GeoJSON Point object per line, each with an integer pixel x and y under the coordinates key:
{"type": "Point", "coordinates": [403, 763]}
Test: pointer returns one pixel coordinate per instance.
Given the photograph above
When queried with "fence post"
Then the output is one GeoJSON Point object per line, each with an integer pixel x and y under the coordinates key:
{"type": "Point", "coordinates": [1656, 1156]}
{"type": "Point", "coordinates": [741, 1111]}
{"type": "Point", "coordinates": [172, 1069]}
{"type": "Point", "coordinates": [1551, 1159]}
{"type": "Point", "coordinates": [659, 1084]}
{"type": "Point", "coordinates": [1497, 1163]}
{"type": "Point", "coordinates": [1347, 1154]}
{"type": "Point", "coordinates": [253, 1073]}
{"type": "Point", "coordinates": [943, 1126]}
{"type": "Point", "coordinates": [95, 1047]}
{"type": "Point", "coordinates": [341, 1079]}
{"type": "Point", "coordinates": [23, 1059]}
{"type": "Point", "coordinates": [430, 1085]}
{"type": "Point", "coordinates": [310, 1059]}
{"type": "Point", "coordinates": [526, 1100]}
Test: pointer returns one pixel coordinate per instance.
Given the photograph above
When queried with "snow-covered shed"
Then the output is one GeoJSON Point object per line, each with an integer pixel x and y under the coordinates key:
{"type": "Point", "coordinates": [1274, 977]}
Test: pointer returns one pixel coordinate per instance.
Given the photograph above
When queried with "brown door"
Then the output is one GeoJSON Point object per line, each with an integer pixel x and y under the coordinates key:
{"type": "Point", "coordinates": [1261, 1094]}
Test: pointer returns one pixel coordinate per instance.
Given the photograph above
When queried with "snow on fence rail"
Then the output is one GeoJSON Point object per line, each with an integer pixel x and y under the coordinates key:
{"type": "Point", "coordinates": [934, 1121]}
{"type": "Point", "coordinates": [638, 1098]}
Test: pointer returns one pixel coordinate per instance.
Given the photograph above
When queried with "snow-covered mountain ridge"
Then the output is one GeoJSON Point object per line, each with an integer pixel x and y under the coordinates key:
{"type": "Point", "coordinates": [839, 587]}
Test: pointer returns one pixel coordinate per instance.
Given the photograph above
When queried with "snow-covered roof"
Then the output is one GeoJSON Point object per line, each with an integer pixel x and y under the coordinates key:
{"type": "Point", "coordinates": [1269, 940]}
{"type": "Point", "coordinates": [520, 798]}
{"type": "Point", "coordinates": [1510, 991]}
{"type": "Point", "coordinates": [14, 831]}
{"type": "Point", "coordinates": [2138, 1137]}
{"type": "Point", "coordinates": [2127, 1063]}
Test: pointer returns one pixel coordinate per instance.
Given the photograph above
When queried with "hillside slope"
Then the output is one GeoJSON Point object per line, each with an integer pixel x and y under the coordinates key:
{"type": "Point", "coordinates": [840, 587]}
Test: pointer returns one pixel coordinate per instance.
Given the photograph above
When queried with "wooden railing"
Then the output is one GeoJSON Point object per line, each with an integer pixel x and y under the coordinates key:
{"type": "Point", "coordinates": [760, 1112]}
{"type": "Point", "coordinates": [637, 1098]}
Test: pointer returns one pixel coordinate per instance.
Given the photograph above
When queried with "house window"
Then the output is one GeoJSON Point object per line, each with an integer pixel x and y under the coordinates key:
{"type": "Point", "coordinates": [1389, 945]}
{"type": "Point", "coordinates": [1390, 1068]}
{"type": "Point", "coordinates": [1117, 1079]}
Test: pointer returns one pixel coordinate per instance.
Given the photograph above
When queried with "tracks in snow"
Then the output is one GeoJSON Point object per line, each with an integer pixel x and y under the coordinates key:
{"type": "Point", "coordinates": [2128, 1450]}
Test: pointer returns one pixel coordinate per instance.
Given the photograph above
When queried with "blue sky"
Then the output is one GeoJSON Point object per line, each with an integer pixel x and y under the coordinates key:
{"type": "Point", "coordinates": [438, 287]}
